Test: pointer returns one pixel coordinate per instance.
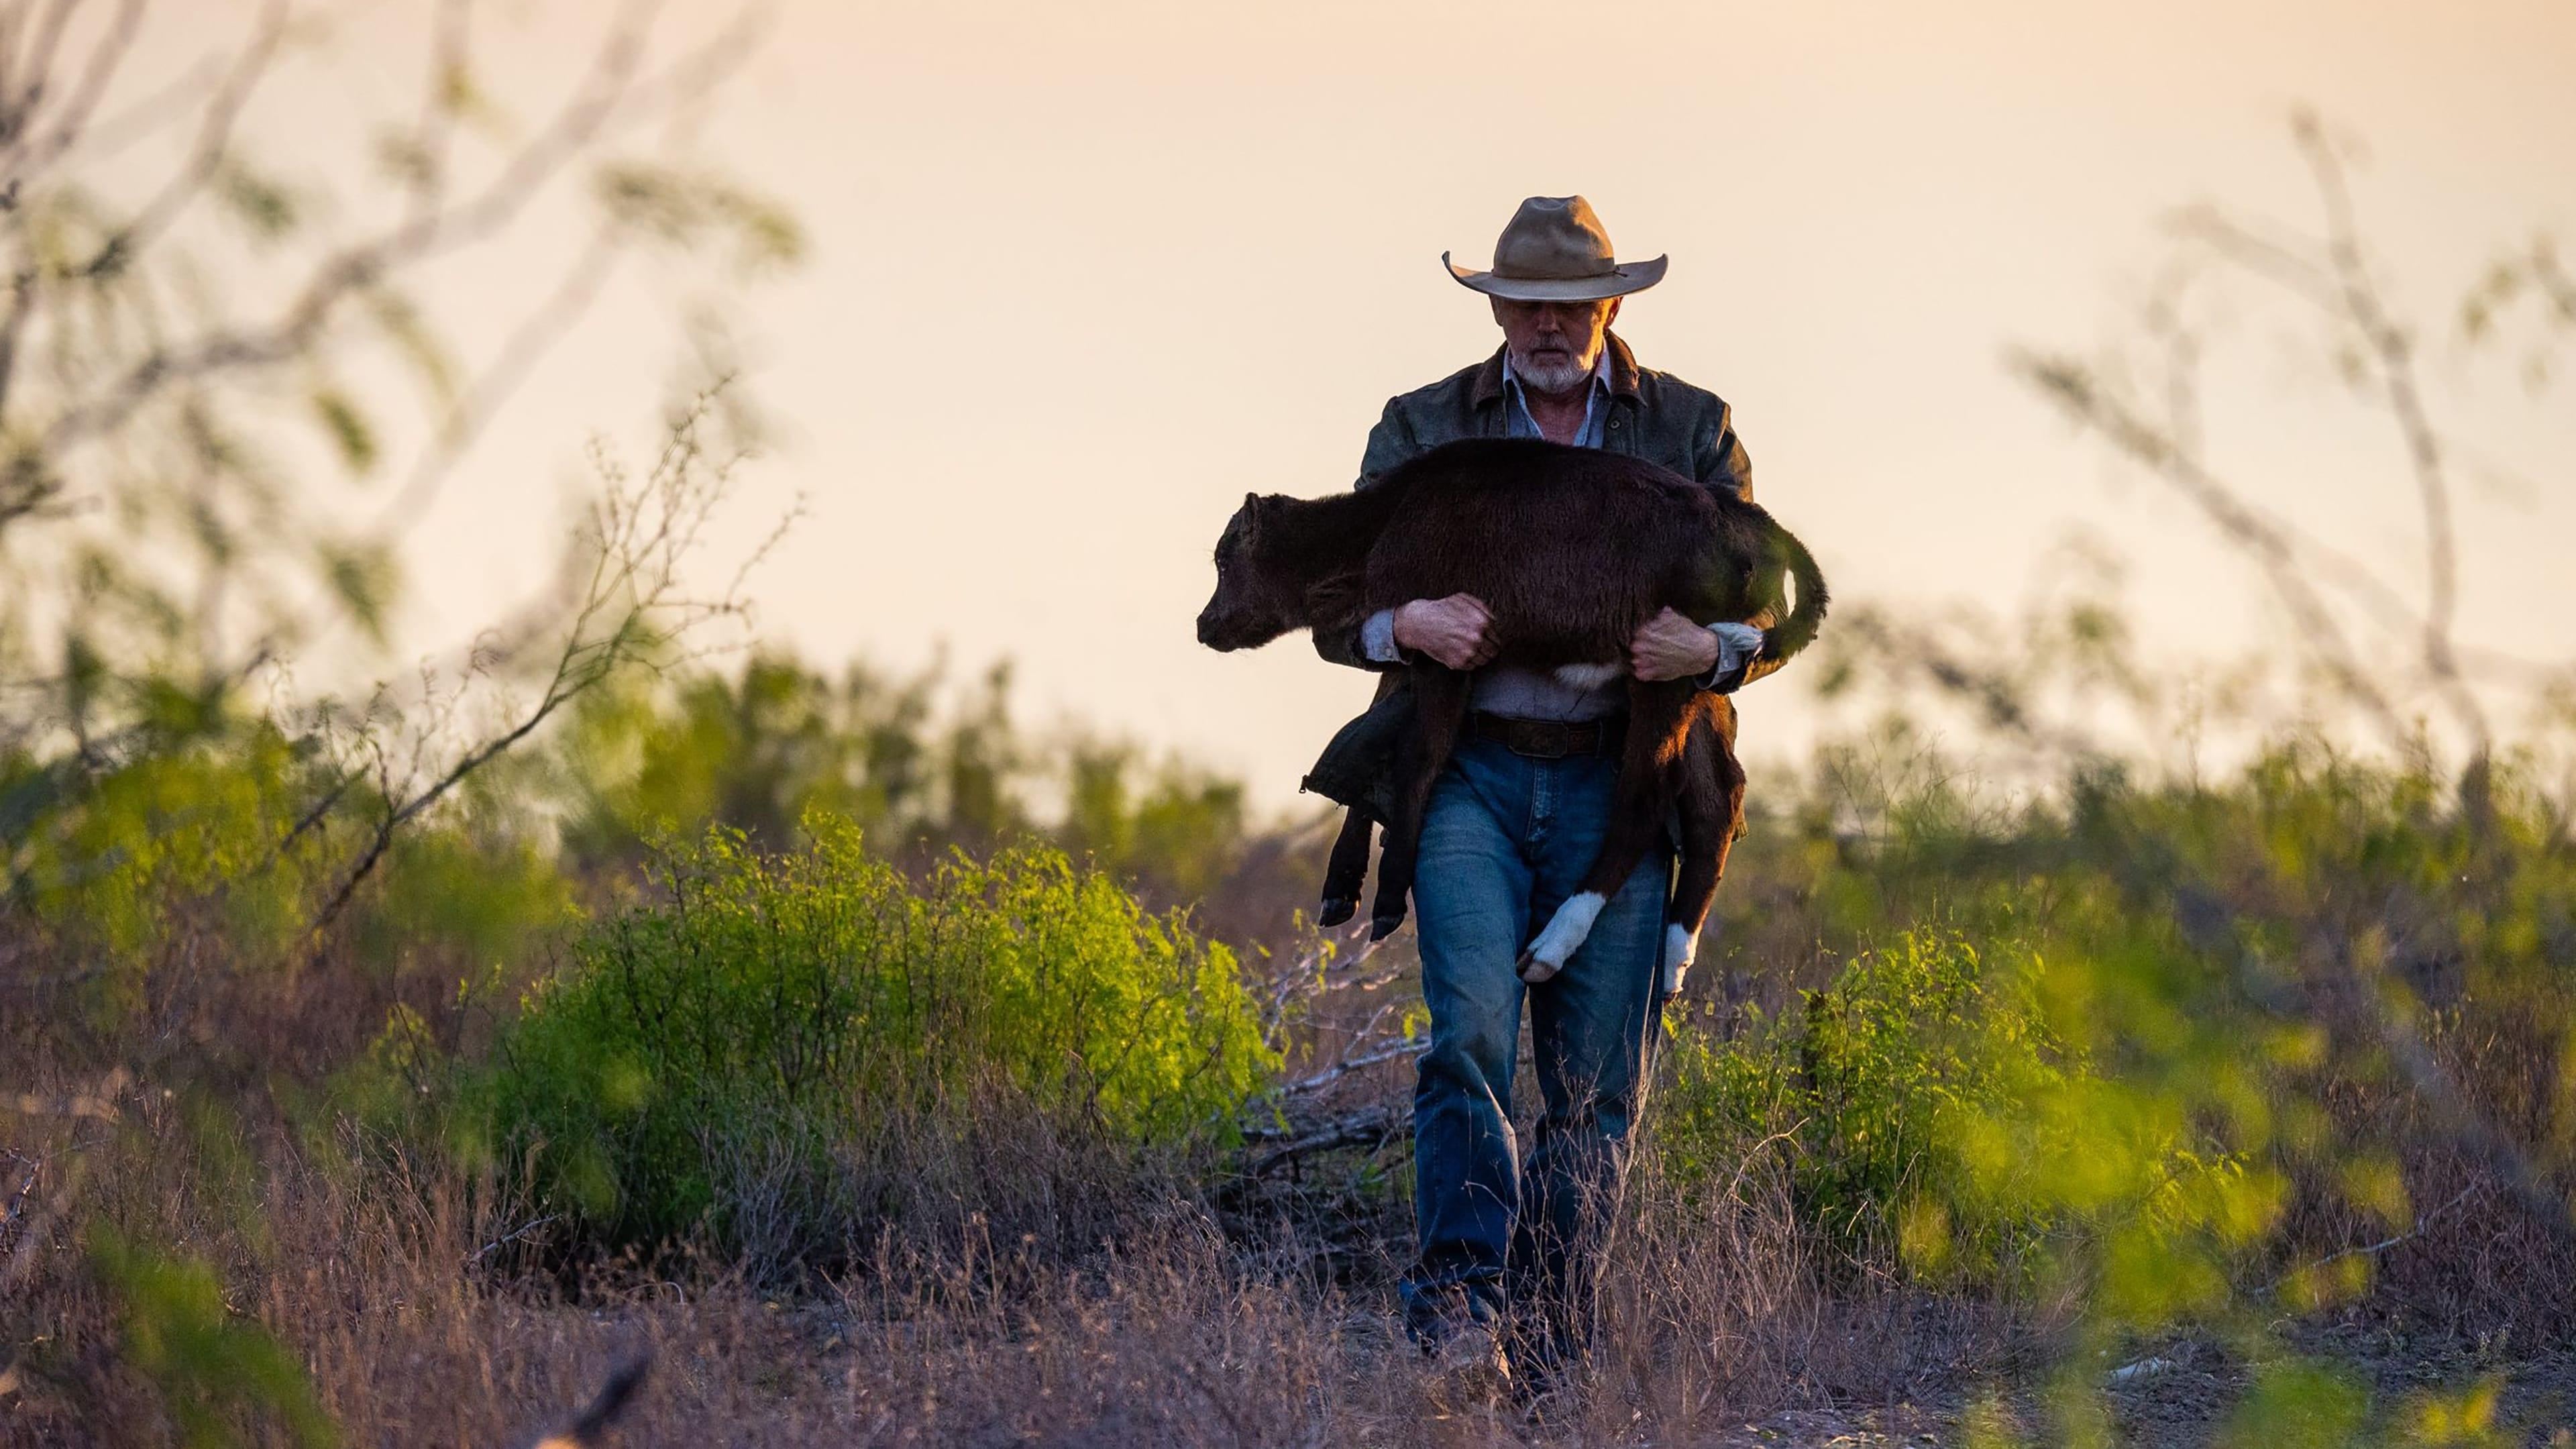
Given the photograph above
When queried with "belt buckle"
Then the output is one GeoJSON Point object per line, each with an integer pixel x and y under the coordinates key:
{"type": "Point", "coordinates": [1560, 736]}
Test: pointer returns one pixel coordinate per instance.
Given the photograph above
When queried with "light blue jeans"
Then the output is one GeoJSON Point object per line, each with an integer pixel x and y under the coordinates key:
{"type": "Point", "coordinates": [1505, 840]}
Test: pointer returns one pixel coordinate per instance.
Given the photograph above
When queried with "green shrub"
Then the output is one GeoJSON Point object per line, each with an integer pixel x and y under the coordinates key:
{"type": "Point", "coordinates": [793, 1050]}
{"type": "Point", "coordinates": [216, 856]}
{"type": "Point", "coordinates": [117, 863]}
{"type": "Point", "coordinates": [222, 1378]}
{"type": "Point", "coordinates": [1929, 1110]}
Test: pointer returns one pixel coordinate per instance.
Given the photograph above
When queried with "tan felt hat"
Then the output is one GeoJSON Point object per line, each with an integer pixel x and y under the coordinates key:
{"type": "Point", "coordinates": [1555, 250]}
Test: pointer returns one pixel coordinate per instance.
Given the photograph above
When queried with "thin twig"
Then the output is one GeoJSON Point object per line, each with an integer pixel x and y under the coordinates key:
{"type": "Point", "coordinates": [2394, 355]}
{"type": "Point", "coordinates": [512, 1236]}
{"type": "Point", "coordinates": [206, 155]}
{"type": "Point", "coordinates": [637, 547]}
{"type": "Point", "coordinates": [1401, 1050]}
{"type": "Point", "coordinates": [23, 160]}
{"type": "Point", "coordinates": [482, 398]}
{"type": "Point", "coordinates": [2372, 1250]}
{"type": "Point", "coordinates": [609, 92]}
{"type": "Point", "coordinates": [2270, 544]}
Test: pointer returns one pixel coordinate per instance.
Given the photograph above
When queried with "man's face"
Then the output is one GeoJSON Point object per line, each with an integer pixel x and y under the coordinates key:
{"type": "Point", "coordinates": [1555, 345]}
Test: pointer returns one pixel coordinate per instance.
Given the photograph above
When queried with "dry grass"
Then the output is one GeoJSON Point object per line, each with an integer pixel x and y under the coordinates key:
{"type": "Point", "coordinates": [418, 1323]}
{"type": "Point", "coordinates": [428, 1306]}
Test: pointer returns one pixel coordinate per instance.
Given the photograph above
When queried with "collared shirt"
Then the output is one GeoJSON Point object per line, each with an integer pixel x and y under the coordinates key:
{"type": "Point", "coordinates": [1536, 694]}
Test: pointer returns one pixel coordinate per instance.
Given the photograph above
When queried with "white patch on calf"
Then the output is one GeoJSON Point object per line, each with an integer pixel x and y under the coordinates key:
{"type": "Point", "coordinates": [1587, 676]}
{"type": "Point", "coordinates": [1680, 946]}
{"type": "Point", "coordinates": [1565, 931]}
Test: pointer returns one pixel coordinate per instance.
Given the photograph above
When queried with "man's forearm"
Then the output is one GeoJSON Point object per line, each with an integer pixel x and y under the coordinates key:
{"type": "Point", "coordinates": [1377, 639]}
{"type": "Point", "coordinates": [1371, 645]}
{"type": "Point", "coordinates": [1736, 646]}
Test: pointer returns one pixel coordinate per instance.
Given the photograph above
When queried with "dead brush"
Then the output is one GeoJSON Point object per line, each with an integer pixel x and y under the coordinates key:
{"type": "Point", "coordinates": [409, 1326]}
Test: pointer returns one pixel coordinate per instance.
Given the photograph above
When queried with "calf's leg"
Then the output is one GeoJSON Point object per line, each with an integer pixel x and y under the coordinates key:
{"type": "Point", "coordinates": [1347, 870]}
{"type": "Point", "coordinates": [1712, 809]}
{"type": "Point", "coordinates": [1657, 714]}
{"type": "Point", "coordinates": [1440, 710]}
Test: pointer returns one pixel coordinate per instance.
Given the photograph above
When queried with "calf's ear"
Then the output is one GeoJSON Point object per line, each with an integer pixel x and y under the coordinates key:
{"type": "Point", "coordinates": [1334, 597]}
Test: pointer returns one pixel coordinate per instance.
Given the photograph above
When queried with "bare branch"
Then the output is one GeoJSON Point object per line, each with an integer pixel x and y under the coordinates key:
{"type": "Point", "coordinates": [482, 398]}
{"type": "Point", "coordinates": [2322, 275]}
{"type": "Point", "coordinates": [512, 1236]}
{"type": "Point", "coordinates": [20, 93]}
{"type": "Point", "coordinates": [2394, 354]}
{"type": "Point", "coordinates": [2274, 259]}
{"type": "Point", "coordinates": [13, 330]}
{"type": "Point", "coordinates": [146, 115]}
{"type": "Point", "coordinates": [447, 71]}
{"type": "Point", "coordinates": [630, 607]}
{"type": "Point", "coordinates": [1313, 975]}
{"type": "Point", "coordinates": [1369, 1127]}
{"type": "Point", "coordinates": [1402, 1049]}
{"type": "Point", "coordinates": [21, 161]}
{"type": "Point", "coordinates": [206, 155]}
{"type": "Point", "coordinates": [12, 19]}
{"type": "Point", "coordinates": [2271, 544]}
{"type": "Point", "coordinates": [608, 91]}
{"type": "Point", "coordinates": [114, 340]}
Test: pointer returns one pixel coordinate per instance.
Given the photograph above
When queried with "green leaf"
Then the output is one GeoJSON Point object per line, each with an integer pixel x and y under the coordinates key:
{"type": "Point", "coordinates": [265, 207]}
{"type": "Point", "coordinates": [352, 436]}
{"type": "Point", "coordinates": [363, 577]}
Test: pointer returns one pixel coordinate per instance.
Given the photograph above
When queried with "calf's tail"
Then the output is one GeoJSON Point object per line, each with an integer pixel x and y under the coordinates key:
{"type": "Point", "coordinates": [1798, 630]}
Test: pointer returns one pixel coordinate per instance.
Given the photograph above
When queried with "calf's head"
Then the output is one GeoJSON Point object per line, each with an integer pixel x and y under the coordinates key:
{"type": "Point", "coordinates": [1257, 598]}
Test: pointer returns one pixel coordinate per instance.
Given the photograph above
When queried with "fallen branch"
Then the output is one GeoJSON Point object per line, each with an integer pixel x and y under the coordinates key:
{"type": "Point", "coordinates": [1409, 1047]}
{"type": "Point", "coordinates": [506, 1239]}
{"type": "Point", "coordinates": [1371, 1128]}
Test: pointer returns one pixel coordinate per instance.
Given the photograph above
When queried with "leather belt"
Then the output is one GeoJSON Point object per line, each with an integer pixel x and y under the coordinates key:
{"type": "Point", "coordinates": [1543, 739]}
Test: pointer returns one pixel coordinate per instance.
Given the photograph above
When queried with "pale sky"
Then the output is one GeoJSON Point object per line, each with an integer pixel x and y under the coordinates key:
{"type": "Point", "coordinates": [1082, 275]}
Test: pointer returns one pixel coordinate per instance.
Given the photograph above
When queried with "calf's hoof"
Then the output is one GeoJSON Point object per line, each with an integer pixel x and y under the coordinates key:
{"type": "Point", "coordinates": [1565, 931]}
{"type": "Point", "coordinates": [1381, 927]}
{"type": "Point", "coordinates": [1335, 911]}
{"type": "Point", "coordinates": [1680, 945]}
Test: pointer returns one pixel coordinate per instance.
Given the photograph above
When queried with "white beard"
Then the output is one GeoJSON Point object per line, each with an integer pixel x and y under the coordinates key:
{"type": "Point", "coordinates": [1552, 377]}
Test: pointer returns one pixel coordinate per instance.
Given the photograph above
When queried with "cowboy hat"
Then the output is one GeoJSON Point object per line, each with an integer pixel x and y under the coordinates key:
{"type": "Point", "coordinates": [1555, 250]}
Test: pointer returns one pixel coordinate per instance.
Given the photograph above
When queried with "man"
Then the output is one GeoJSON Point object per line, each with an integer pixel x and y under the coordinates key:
{"type": "Point", "coordinates": [1519, 814]}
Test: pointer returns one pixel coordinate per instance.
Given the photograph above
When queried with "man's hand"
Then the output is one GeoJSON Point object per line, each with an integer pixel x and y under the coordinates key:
{"type": "Point", "coordinates": [1669, 646]}
{"type": "Point", "coordinates": [1453, 630]}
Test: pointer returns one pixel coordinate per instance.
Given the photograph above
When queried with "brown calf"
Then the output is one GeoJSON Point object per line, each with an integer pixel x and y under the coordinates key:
{"type": "Point", "coordinates": [1572, 549]}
